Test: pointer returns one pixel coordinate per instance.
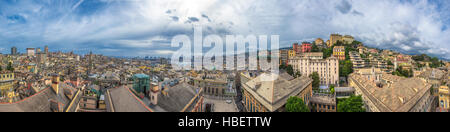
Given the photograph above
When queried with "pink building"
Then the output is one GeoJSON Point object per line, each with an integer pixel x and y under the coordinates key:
{"type": "Point", "coordinates": [306, 47]}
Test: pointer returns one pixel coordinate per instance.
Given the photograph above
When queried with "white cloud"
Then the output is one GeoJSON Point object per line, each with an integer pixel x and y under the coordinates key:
{"type": "Point", "coordinates": [412, 27]}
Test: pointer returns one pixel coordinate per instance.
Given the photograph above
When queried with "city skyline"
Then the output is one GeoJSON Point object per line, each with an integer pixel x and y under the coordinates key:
{"type": "Point", "coordinates": [145, 28]}
{"type": "Point", "coordinates": [224, 56]}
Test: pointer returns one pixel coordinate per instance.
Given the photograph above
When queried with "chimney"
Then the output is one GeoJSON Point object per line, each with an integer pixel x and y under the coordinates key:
{"type": "Point", "coordinates": [55, 83]}
{"type": "Point", "coordinates": [154, 95]}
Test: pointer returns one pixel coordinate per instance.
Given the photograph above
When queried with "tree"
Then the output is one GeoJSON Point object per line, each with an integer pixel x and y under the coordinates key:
{"type": "Point", "coordinates": [297, 74]}
{"type": "Point", "coordinates": [352, 104]}
{"type": "Point", "coordinates": [283, 66]}
{"type": "Point", "coordinates": [296, 104]}
{"type": "Point", "coordinates": [332, 89]}
{"type": "Point", "coordinates": [435, 63]}
{"type": "Point", "coordinates": [315, 48]}
{"type": "Point", "coordinates": [345, 68]}
{"type": "Point", "coordinates": [316, 80]}
{"type": "Point", "coordinates": [328, 52]}
{"type": "Point", "coordinates": [290, 70]}
{"type": "Point", "coordinates": [390, 63]}
{"type": "Point", "coordinates": [1, 68]}
{"type": "Point", "coordinates": [403, 73]}
{"type": "Point", "coordinates": [9, 67]}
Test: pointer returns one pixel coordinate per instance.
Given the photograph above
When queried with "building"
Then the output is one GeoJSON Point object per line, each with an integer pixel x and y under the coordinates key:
{"type": "Point", "coordinates": [14, 51]}
{"type": "Point", "coordinates": [328, 43]}
{"type": "Point", "coordinates": [30, 51]}
{"type": "Point", "coordinates": [55, 82]}
{"type": "Point", "coordinates": [444, 98]}
{"type": "Point", "coordinates": [46, 100]}
{"type": "Point", "coordinates": [339, 52]}
{"type": "Point", "coordinates": [214, 84]}
{"type": "Point", "coordinates": [291, 54]}
{"type": "Point", "coordinates": [41, 57]}
{"type": "Point", "coordinates": [356, 59]}
{"type": "Point", "coordinates": [296, 48]}
{"type": "Point", "coordinates": [141, 84]}
{"type": "Point", "coordinates": [392, 93]}
{"type": "Point", "coordinates": [436, 78]}
{"type": "Point", "coordinates": [323, 102]}
{"type": "Point", "coordinates": [46, 49]}
{"type": "Point", "coordinates": [373, 51]}
{"type": "Point", "coordinates": [328, 69]}
{"type": "Point", "coordinates": [333, 39]}
{"type": "Point", "coordinates": [6, 83]}
{"type": "Point", "coordinates": [312, 55]}
{"type": "Point", "coordinates": [372, 74]}
{"type": "Point", "coordinates": [433, 76]}
{"type": "Point", "coordinates": [347, 39]}
{"type": "Point", "coordinates": [377, 61]}
{"type": "Point", "coordinates": [269, 92]}
{"type": "Point", "coordinates": [344, 92]}
{"type": "Point", "coordinates": [122, 99]}
{"type": "Point", "coordinates": [306, 47]}
{"type": "Point", "coordinates": [319, 42]}
{"type": "Point", "coordinates": [179, 98]}
{"type": "Point", "coordinates": [284, 53]}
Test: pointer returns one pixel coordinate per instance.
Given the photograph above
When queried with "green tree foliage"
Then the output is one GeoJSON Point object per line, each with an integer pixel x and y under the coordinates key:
{"type": "Point", "coordinates": [328, 52]}
{"type": "Point", "coordinates": [290, 70]}
{"type": "Point", "coordinates": [403, 73]}
{"type": "Point", "coordinates": [390, 63]}
{"type": "Point", "coordinates": [332, 89]}
{"type": "Point", "coordinates": [315, 48]}
{"type": "Point", "coordinates": [282, 66]}
{"type": "Point", "coordinates": [339, 43]}
{"type": "Point", "coordinates": [423, 57]}
{"type": "Point", "coordinates": [297, 74]}
{"type": "Point", "coordinates": [435, 63]}
{"type": "Point", "coordinates": [316, 80]}
{"type": "Point", "coordinates": [9, 67]}
{"type": "Point", "coordinates": [345, 68]}
{"type": "Point", "coordinates": [296, 104]}
{"type": "Point", "coordinates": [351, 104]}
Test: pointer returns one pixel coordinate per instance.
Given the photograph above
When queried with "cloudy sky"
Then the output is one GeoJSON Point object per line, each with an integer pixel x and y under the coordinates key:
{"type": "Point", "coordinates": [146, 27]}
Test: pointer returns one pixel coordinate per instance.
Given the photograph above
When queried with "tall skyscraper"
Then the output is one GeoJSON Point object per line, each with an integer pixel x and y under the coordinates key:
{"type": "Point", "coordinates": [13, 50]}
{"type": "Point", "coordinates": [31, 51]}
{"type": "Point", "coordinates": [90, 63]}
{"type": "Point", "coordinates": [46, 49]}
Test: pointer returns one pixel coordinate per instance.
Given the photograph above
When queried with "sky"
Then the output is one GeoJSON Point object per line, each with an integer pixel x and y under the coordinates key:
{"type": "Point", "coordinates": [146, 27]}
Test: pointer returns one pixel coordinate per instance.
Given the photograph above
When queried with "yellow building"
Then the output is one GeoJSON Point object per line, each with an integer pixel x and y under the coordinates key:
{"type": "Point", "coordinates": [339, 52]}
{"type": "Point", "coordinates": [6, 82]}
{"type": "Point", "coordinates": [291, 53]}
{"type": "Point", "coordinates": [334, 38]}
{"type": "Point", "coordinates": [319, 41]}
{"type": "Point", "coordinates": [444, 98]}
{"type": "Point", "coordinates": [347, 39]}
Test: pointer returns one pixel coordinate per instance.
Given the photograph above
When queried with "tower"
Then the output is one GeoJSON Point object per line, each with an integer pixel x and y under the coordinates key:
{"type": "Point", "coordinates": [13, 50]}
{"type": "Point", "coordinates": [55, 83]}
{"type": "Point", "coordinates": [90, 63]}
{"type": "Point", "coordinates": [46, 49]}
